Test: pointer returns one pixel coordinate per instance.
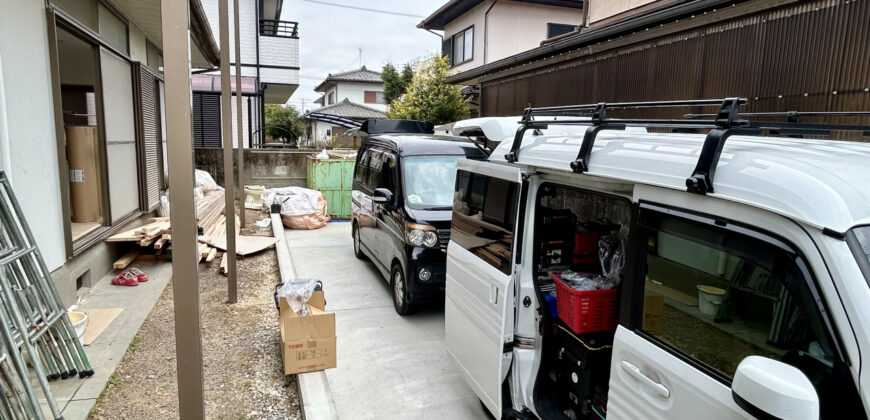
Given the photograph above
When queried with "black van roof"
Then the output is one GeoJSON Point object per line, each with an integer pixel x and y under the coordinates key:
{"type": "Point", "coordinates": [424, 144]}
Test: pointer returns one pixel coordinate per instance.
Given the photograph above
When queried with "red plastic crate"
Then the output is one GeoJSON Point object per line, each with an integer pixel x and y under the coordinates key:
{"type": "Point", "coordinates": [585, 311]}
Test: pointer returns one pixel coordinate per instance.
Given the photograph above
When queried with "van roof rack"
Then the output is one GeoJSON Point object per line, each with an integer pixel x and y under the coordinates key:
{"type": "Point", "coordinates": [726, 122]}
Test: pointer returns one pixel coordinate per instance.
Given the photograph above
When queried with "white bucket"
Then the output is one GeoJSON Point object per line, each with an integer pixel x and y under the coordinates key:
{"type": "Point", "coordinates": [79, 321]}
{"type": "Point", "coordinates": [709, 299]}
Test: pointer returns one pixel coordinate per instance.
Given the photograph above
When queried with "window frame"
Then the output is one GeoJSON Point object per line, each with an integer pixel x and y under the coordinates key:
{"type": "Point", "coordinates": [631, 317]}
{"type": "Point", "coordinates": [466, 55]}
{"type": "Point", "coordinates": [360, 179]}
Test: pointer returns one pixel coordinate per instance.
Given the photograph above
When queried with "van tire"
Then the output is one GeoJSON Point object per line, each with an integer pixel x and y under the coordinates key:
{"type": "Point", "coordinates": [399, 289]}
{"type": "Point", "coordinates": [357, 243]}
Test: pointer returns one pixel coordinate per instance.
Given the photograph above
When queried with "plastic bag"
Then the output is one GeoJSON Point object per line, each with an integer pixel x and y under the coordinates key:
{"type": "Point", "coordinates": [264, 222]}
{"type": "Point", "coordinates": [611, 254]}
{"type": "Point", "coordinates": [204, 181]}
{"type": "Point", "coordinates": [301, 208]}
{"type": "Point", "coordinates": [322, 155]}
{"type": "Point", "coordinates": [585, 281]}
{"type": "Point", "coordinates": [297, 292]}
{"type": "Point", "coordinates": [164, 204]}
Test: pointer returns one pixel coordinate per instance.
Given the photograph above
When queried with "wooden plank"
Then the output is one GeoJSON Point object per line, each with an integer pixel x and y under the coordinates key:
{"type": "Point", "coordinates": [126, 236]}
{"type": "Point", "coordinates": [146, 257]}
{"type": "Point", "coordinates": [245, 245]}
{"type": "Point", "coordinates": [124, 261]}
{"type": "Point", "coordinates": [160, 242]}
{"type": "Point", "coordinates": [211, 255]}
{"type": "Point", "coordinates": [223, 267]}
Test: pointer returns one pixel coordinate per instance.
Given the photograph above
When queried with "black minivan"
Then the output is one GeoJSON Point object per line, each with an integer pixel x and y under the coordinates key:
{"type": "Point", "coordinates": [402, 197]}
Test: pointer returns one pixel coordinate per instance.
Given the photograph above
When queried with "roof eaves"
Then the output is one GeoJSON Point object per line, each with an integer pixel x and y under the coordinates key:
{"type": "Point", "coordinates": [200, 33]}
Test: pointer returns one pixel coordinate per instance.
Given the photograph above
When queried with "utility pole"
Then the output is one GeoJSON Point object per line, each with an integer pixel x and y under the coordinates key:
{"type": "Point", "coordinates": [185, 261]}
{"type": "Point", "coordinates": [227, 134]}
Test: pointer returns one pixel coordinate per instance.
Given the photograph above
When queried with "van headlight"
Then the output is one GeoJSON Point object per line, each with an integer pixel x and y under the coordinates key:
{"type": "Point", "coordinates": [421, 235]}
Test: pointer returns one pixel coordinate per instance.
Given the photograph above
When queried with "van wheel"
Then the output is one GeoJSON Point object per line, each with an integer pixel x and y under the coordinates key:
{"type": "Point", "coordinates": [400, 291]}
{"type": "Point", "coordinates": [357, 251]}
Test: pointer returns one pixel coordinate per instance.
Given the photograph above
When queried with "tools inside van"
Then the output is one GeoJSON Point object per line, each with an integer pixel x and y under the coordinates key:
{"type": "Point", "coordinates": [580, 239]}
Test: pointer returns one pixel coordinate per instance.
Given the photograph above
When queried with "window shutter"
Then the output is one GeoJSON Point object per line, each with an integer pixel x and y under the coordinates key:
{"type": "Point", "coordinates": [151, 139]}
{"type": "Point", "coordinates": [447, 49]}
{"type": "Point", "coordinates": [207, 120]}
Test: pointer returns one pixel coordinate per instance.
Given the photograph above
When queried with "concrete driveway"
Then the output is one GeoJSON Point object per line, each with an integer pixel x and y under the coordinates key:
{"type": "Point", "coordinates": [389, 367]}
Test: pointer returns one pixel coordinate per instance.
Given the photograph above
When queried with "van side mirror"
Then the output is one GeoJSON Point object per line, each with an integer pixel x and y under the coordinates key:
{"type": "Point", "coordinates": [382, 195]}
{"type": "Point", "coordinates": [768, 388]}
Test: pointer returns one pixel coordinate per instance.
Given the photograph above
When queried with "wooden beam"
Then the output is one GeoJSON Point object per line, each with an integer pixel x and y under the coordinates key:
{"type": "Point", "coordinates": [124, 261]}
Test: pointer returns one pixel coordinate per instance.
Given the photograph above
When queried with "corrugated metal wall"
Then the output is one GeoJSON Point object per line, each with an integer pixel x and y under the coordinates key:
{"type": "Point", "coordinates": [811, 56]}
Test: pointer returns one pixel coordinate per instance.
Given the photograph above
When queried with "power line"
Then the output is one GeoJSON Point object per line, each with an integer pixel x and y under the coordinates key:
{"type": "Point", "coordinates": [365, 9]}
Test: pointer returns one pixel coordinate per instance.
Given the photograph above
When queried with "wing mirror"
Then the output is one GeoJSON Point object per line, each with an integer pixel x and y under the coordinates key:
{"type": "Point", "coordinates": [767, 388]}
{"type": "Point", "coordinates": [382, 196]}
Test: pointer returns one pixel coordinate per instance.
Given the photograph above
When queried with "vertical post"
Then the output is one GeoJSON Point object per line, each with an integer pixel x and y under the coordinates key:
{"type": "Point", "coordinates": [185, 275]}
{"type": "Point", "coordinates": [250, 125]}
{"type": "Point", "coordinates": [227, 134]}
{"type": "Point", "coordinates": [240, 141]}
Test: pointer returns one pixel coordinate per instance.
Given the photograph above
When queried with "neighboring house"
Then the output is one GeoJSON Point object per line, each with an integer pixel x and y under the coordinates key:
{"type": "Point", "coordinates": [82, 122]}
{"type": "Point", "coordinates": [270, 72]}
{"type": "Point", "coordinates": [326, 126]}
{"type": "Point", "coordinates": [361, 86]}
{"type": "Point", "coordinates": [478, 32]}
{"type": "Point", "coordinates": [769, 52]}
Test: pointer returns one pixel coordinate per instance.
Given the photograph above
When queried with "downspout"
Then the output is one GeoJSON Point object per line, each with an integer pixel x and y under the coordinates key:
{"type": "Point", "coordinates": [262, 118]}
{"type": "Point", "coordinates": [486, 31]}
{"type": "Point", "coordinates": [5, 159]}
{"type": "Point", "coordinates": [586, 7]}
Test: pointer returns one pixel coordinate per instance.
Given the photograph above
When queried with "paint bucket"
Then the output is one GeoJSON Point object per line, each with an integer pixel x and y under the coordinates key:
{"type": "Point", "coordinates": [709, 299]}
{"type": "Point", "coordinates": [79, 321]}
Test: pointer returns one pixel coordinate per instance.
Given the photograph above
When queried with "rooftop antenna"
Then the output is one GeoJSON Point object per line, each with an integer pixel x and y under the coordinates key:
{"type": "Point", "coordinates": [360, 57]}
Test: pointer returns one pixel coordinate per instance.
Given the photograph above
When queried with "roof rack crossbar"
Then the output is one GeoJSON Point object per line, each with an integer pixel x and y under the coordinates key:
{"type": "Point", "coordinates": [599, 123]}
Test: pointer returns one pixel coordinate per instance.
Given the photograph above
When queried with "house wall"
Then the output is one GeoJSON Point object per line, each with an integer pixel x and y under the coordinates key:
{"type": "Point", "coordinates": [512, 27]}
{"type": "Point", "coordinates": [516, 27]}
{"type": "Point", "coordinates": [27, 134]}
{"type": "Point", "coordinates": [602, 9]}
{"type": "Point", "coordinates": [474, 17]}
{"type": "Point", "coordinates": [248, 27]}
{"type": "Point", "coordinates": [355, 92]}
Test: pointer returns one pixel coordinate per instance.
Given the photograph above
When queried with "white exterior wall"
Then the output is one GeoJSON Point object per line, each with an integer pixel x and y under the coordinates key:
{"type": "Point", "coordinates": [512, 27]}
{"type": "Point", "coordinates": [517, 27]}
{"type": "Point", "coordinates": [27, 135]}
{"type": "Point", "coordinates": [474, 17]}
{"type": "Point", "coordinates": [602, 9]}
{"type": "Point", "coordinates": [355, 92]}
{"type": "Point", "coordinates": [248, 28]}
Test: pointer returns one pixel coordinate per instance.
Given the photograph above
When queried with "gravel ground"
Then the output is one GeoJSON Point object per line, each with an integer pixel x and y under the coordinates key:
{"type": "Point", "coordinates": [243, 371]}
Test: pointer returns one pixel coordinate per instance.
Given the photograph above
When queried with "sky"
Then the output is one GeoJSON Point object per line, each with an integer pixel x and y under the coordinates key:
{"type": "Point", "coordinates": [330, 37]}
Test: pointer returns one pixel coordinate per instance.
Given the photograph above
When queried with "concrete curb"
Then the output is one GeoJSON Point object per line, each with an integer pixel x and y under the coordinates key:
{"type": "Point", "coordinates": [314, 391]}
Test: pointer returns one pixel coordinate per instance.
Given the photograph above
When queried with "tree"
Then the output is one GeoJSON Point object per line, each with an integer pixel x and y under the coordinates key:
{"type": "Point", "coordinates": [283, 122]}
{"type": "Point", "coordinates": [430, 98]}
{"type": "Point", "coordinates": [395, 84]}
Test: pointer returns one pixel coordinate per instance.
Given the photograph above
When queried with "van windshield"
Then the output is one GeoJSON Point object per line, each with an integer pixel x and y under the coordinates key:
{"type": "Point", "coordinates": [861, 248]}
{"type": "Point", "coordinates": [429, 181]}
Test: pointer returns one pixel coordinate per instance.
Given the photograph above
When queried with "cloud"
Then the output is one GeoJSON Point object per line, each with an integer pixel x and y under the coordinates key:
{"type": "Point", "coordinates": [330, 38]}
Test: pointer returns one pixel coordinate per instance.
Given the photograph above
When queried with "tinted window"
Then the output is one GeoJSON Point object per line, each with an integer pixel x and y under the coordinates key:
{"type": "Point", "coordinates": [484, 217]}
{"type": "Point", "coordinates": [376, 160]}
{"type": "Point", "coordinates": [387, 178]}
{"type": "Point", "coordinates": [362, 162]}
{"type": "Point", "coordinates": [719, 296]}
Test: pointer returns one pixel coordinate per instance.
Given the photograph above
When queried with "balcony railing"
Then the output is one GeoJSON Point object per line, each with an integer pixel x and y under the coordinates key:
{"type": "Point", "coordinates": [279, 28]}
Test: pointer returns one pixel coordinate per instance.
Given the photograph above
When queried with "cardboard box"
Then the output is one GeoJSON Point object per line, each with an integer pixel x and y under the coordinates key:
{"type": "Point", "coordinates": [307, 342]}
{"type": "Point", "coordinates": [653, 312]}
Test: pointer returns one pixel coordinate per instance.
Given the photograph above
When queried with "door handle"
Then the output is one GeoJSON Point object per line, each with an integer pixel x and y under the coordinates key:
{"type": "Point", "coordinates": [635, 373]}
{"type": "Point", "coordinates": [493, 294]}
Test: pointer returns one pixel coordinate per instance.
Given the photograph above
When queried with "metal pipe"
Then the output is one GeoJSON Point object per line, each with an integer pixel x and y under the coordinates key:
{"type": "Point", "coordinates": [227, 131]}
{"type": "Point", "coordinates": [239, 140]}
{"type": "Point", "coordinates": [176, 75]}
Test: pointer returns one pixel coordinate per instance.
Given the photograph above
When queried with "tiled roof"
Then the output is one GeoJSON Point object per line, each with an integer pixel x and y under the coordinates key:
{"type": "Point", "coordinates": [348, 109]}
{"type": "Point", "coordinates": [361, 75]}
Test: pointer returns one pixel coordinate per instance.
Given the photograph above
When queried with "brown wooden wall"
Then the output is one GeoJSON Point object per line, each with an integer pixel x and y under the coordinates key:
{"type": "Point", "coordinates": [813, 55]}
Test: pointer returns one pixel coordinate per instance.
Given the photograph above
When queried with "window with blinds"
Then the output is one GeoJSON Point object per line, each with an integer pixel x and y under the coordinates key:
{"type": "Point", "coordinates": [206, 120]}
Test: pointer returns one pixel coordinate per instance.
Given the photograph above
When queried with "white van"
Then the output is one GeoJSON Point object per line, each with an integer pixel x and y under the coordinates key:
{"type": "Point", "coordinates": [730, 269]}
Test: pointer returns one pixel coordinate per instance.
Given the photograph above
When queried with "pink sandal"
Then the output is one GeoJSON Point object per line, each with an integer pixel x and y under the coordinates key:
{"type": "Point", "coordinates": [141, 277]}
{"type": "Point", "coordinates": [125, 279]}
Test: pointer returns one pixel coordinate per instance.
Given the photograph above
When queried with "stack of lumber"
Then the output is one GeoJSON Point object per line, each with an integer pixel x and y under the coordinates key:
{"type": "Point", "coordinates": [158, 234]}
